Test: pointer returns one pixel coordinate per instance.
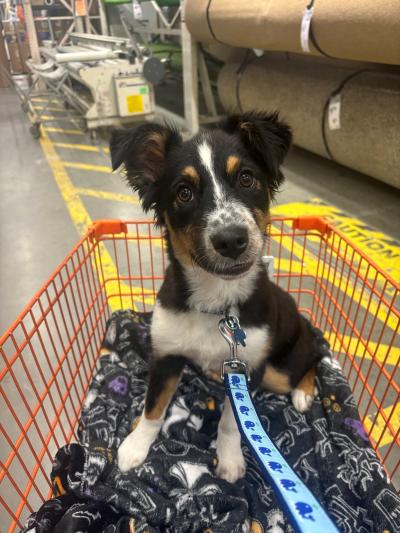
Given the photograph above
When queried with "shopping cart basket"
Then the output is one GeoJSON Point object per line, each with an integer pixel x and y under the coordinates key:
{"type": "Point", "coordinates": [50, 353]}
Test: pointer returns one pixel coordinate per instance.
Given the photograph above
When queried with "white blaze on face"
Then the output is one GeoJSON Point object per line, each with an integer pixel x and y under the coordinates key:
{"type": "Point", "coordinates": [206, 157]}
{"type": "Point", "coordinates": [227, 211]}
{"type": "Point", "coordinates": [223, 205]}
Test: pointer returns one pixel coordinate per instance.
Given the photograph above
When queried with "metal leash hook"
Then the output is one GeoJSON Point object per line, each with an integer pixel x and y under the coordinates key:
{"type": "Point", "coordinates": [232, 332]}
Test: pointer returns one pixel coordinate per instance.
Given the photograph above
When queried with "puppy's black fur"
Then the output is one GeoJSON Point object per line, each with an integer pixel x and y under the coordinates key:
{"type": "Point", "coordinates": [202, 191]}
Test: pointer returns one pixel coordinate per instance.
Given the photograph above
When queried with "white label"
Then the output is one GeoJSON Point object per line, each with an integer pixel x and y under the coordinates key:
{"type": "Point", "coordinates": [137, 10]}
{"type": "Point", "coordinates": [335, 103]}
{"type": "Point", "coordinates": [305, 28]}
{"type": "Point", "coordinates": [268, 261]}
{"type": "Point", "coordinates": [258, 52]}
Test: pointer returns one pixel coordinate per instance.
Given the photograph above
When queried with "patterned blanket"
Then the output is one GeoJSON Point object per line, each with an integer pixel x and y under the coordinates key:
{"type": "Point", "coordinates": [176, 489]}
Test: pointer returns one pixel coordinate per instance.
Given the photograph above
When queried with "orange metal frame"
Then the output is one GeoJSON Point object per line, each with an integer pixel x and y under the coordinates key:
{"type": "Point", "coordinates": [49, 354]}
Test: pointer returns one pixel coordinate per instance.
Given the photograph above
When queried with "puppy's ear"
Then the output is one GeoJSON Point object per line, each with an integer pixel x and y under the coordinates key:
{"type": "Point", "coordinates": [266, 138]}
{"type": "Point", "coordinates": [143, 151]}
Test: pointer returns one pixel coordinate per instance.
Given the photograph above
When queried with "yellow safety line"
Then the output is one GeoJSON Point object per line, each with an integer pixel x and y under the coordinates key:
{"type": "Point", "coordinates": [125, 198]}
{"type": "Point", "coordinates": [310, 266]}
{"type": "Point", "coordinates": [382, 352]}
{"type": "Point", "coordinates": [356, 348]}
{"type": "Point", "coordinates": [381, 426]}
{"type": "Point", "coordinates": [106, 195]}
{"type": "Point", "coordinates": [62, 130]}
{"type": "Point", "coordinates": [379, 247]}
{"type": "Point", "coordinates": [86, 166]}
{"type": "Point", "coordinates": [82, 222]}
{"type": "Point", "coordinates": [75, 146]}
{"type": "Point", "coordinates": [75, 206]}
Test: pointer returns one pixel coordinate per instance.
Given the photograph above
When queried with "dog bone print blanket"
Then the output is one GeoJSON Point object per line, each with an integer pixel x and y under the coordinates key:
{"type": "Point", "coordinates": [176, 490]}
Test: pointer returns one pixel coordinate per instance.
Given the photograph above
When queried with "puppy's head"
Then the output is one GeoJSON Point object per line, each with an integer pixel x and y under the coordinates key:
{"type": "Point", "coordinates": [212, 193]}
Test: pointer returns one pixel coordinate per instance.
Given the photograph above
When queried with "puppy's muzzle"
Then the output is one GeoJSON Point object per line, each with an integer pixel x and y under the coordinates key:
{"type": "Point", "coordinates": [230, 241]}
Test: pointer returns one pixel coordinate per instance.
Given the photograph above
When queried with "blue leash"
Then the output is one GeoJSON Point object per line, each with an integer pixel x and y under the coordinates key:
{"type": "Point", "coordinates": [303, 509]}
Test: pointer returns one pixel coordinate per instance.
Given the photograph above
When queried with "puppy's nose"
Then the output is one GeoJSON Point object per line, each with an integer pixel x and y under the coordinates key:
{"type": "Point", "coordinates": [231, 241]}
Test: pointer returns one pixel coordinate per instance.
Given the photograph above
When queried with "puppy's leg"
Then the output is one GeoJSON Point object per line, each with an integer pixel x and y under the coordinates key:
{"type": "Point", "coordinates": [303, 394]}
{"type": "Point", "coordinates": [164, 378]}
{"type": "Point", "coordinates": [231, 464]}
{"type": "Point", "coordinates": [275, 380]}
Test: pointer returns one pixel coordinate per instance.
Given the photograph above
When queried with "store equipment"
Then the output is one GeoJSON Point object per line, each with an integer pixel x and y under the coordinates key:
{"type": "Point", "coordinates": [108, 81]}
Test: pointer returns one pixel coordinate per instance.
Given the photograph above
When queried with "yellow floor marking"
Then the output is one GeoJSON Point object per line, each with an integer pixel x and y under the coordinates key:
{"type": "Point", "coordinates": [62, 130]}
{"type": "Point", "coordinates": [82, 221]}
{"type": "Point", "coordinates": [380, 424]}
{"type": "Point", "coordinates": [286, 265]}
{"type": "Point", "coordinates": [106, 195]}
{"type": "Point", "coordinates": [310, 266]}
{"type": "Point", "coordinates": [350, 343]}
{"type": "Point", "coordinates": [125, 198]}
{"type": "Point", "coordinates": [75, 146]}
{"type": "Point", "coordinates": [86, 166]}
{"type": "Point", "coordinates": [357, 348]}
{"type": "Point", "coordinates": [379, 247]}
{"type": "Point", "coordinates": [75, 206]}
{"type": "Point", "coordinates": [106, 150]}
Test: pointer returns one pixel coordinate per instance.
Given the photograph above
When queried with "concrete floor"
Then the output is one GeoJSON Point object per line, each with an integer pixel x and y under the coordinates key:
{"type": "Point", "coordinates": [49, 195]}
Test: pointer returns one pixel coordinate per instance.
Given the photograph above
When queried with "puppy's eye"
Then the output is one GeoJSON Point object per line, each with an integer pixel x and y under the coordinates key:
{"type": "Point", "coordinates": [184, 194]}
{"type": "Point", "coordinates": [246, 180]}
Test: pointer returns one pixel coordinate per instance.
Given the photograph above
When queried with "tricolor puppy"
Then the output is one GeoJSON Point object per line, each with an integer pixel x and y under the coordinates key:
{"type": "Point", "coordinates": [212, 196]}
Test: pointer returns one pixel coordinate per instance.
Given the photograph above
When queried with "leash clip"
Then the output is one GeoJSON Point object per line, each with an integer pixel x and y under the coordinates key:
{"type": "Point", "coordinates": [232, 332]}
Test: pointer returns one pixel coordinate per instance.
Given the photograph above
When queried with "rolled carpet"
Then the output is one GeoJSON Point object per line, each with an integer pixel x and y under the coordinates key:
{"type": "Point", "coordinates": [367, 31]}
{"type": "Point", "coordinates": [368, 139]}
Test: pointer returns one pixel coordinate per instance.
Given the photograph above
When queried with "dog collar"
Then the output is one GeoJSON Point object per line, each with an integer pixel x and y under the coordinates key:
{"type": "Point", "coordinates": [223, 312]}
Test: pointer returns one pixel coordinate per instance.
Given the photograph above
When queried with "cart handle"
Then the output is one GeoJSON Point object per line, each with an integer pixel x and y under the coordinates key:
{"type": "Point", "coordinates": [115, 226]}
{"type": "Point", "coordinates": [310, 222]}
{"type": "Point", "coordinates": [106, 227]}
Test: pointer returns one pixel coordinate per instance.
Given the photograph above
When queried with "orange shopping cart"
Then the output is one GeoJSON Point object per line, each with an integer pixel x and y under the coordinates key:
{"type": "Point", "coordinates": [49, 354]}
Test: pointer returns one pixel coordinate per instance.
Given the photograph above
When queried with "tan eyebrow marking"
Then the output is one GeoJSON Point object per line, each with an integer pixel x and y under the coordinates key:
{"type": "Point", "coordinates": [232, 164]}
{"type": "Point", "coordinates": [182, 240]}
{"type": "Point", "coordinates": [191, 174]}
{"type": "Point", "coordinates": [262, 219]}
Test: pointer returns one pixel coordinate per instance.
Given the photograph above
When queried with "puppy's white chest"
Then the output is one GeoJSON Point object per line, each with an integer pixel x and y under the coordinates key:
{"type": "Point", "coordinates": [196, 336]}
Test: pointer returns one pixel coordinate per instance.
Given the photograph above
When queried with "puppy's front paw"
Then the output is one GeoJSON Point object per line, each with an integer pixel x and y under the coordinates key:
{"type": "Point", "coordinates": [132, 452]}
{"type": "Point", "coordinates": [301, 400]}
{"type": "Point", "coordinates": [231, 465]}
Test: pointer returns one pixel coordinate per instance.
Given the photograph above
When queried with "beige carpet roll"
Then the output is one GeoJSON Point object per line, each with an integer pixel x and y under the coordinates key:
{"type": "Point", "coordinates": [368, 139]}
{"type": "Point", "coordinates": [365, 30]}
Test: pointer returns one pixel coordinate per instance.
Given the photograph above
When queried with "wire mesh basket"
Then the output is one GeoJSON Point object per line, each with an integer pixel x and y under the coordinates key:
{"type": "Point", "coordinates": [49, 354]}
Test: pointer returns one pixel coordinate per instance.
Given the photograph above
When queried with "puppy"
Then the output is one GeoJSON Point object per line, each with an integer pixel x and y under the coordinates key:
{"type": "Point", "coordinates": [212, 195]}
